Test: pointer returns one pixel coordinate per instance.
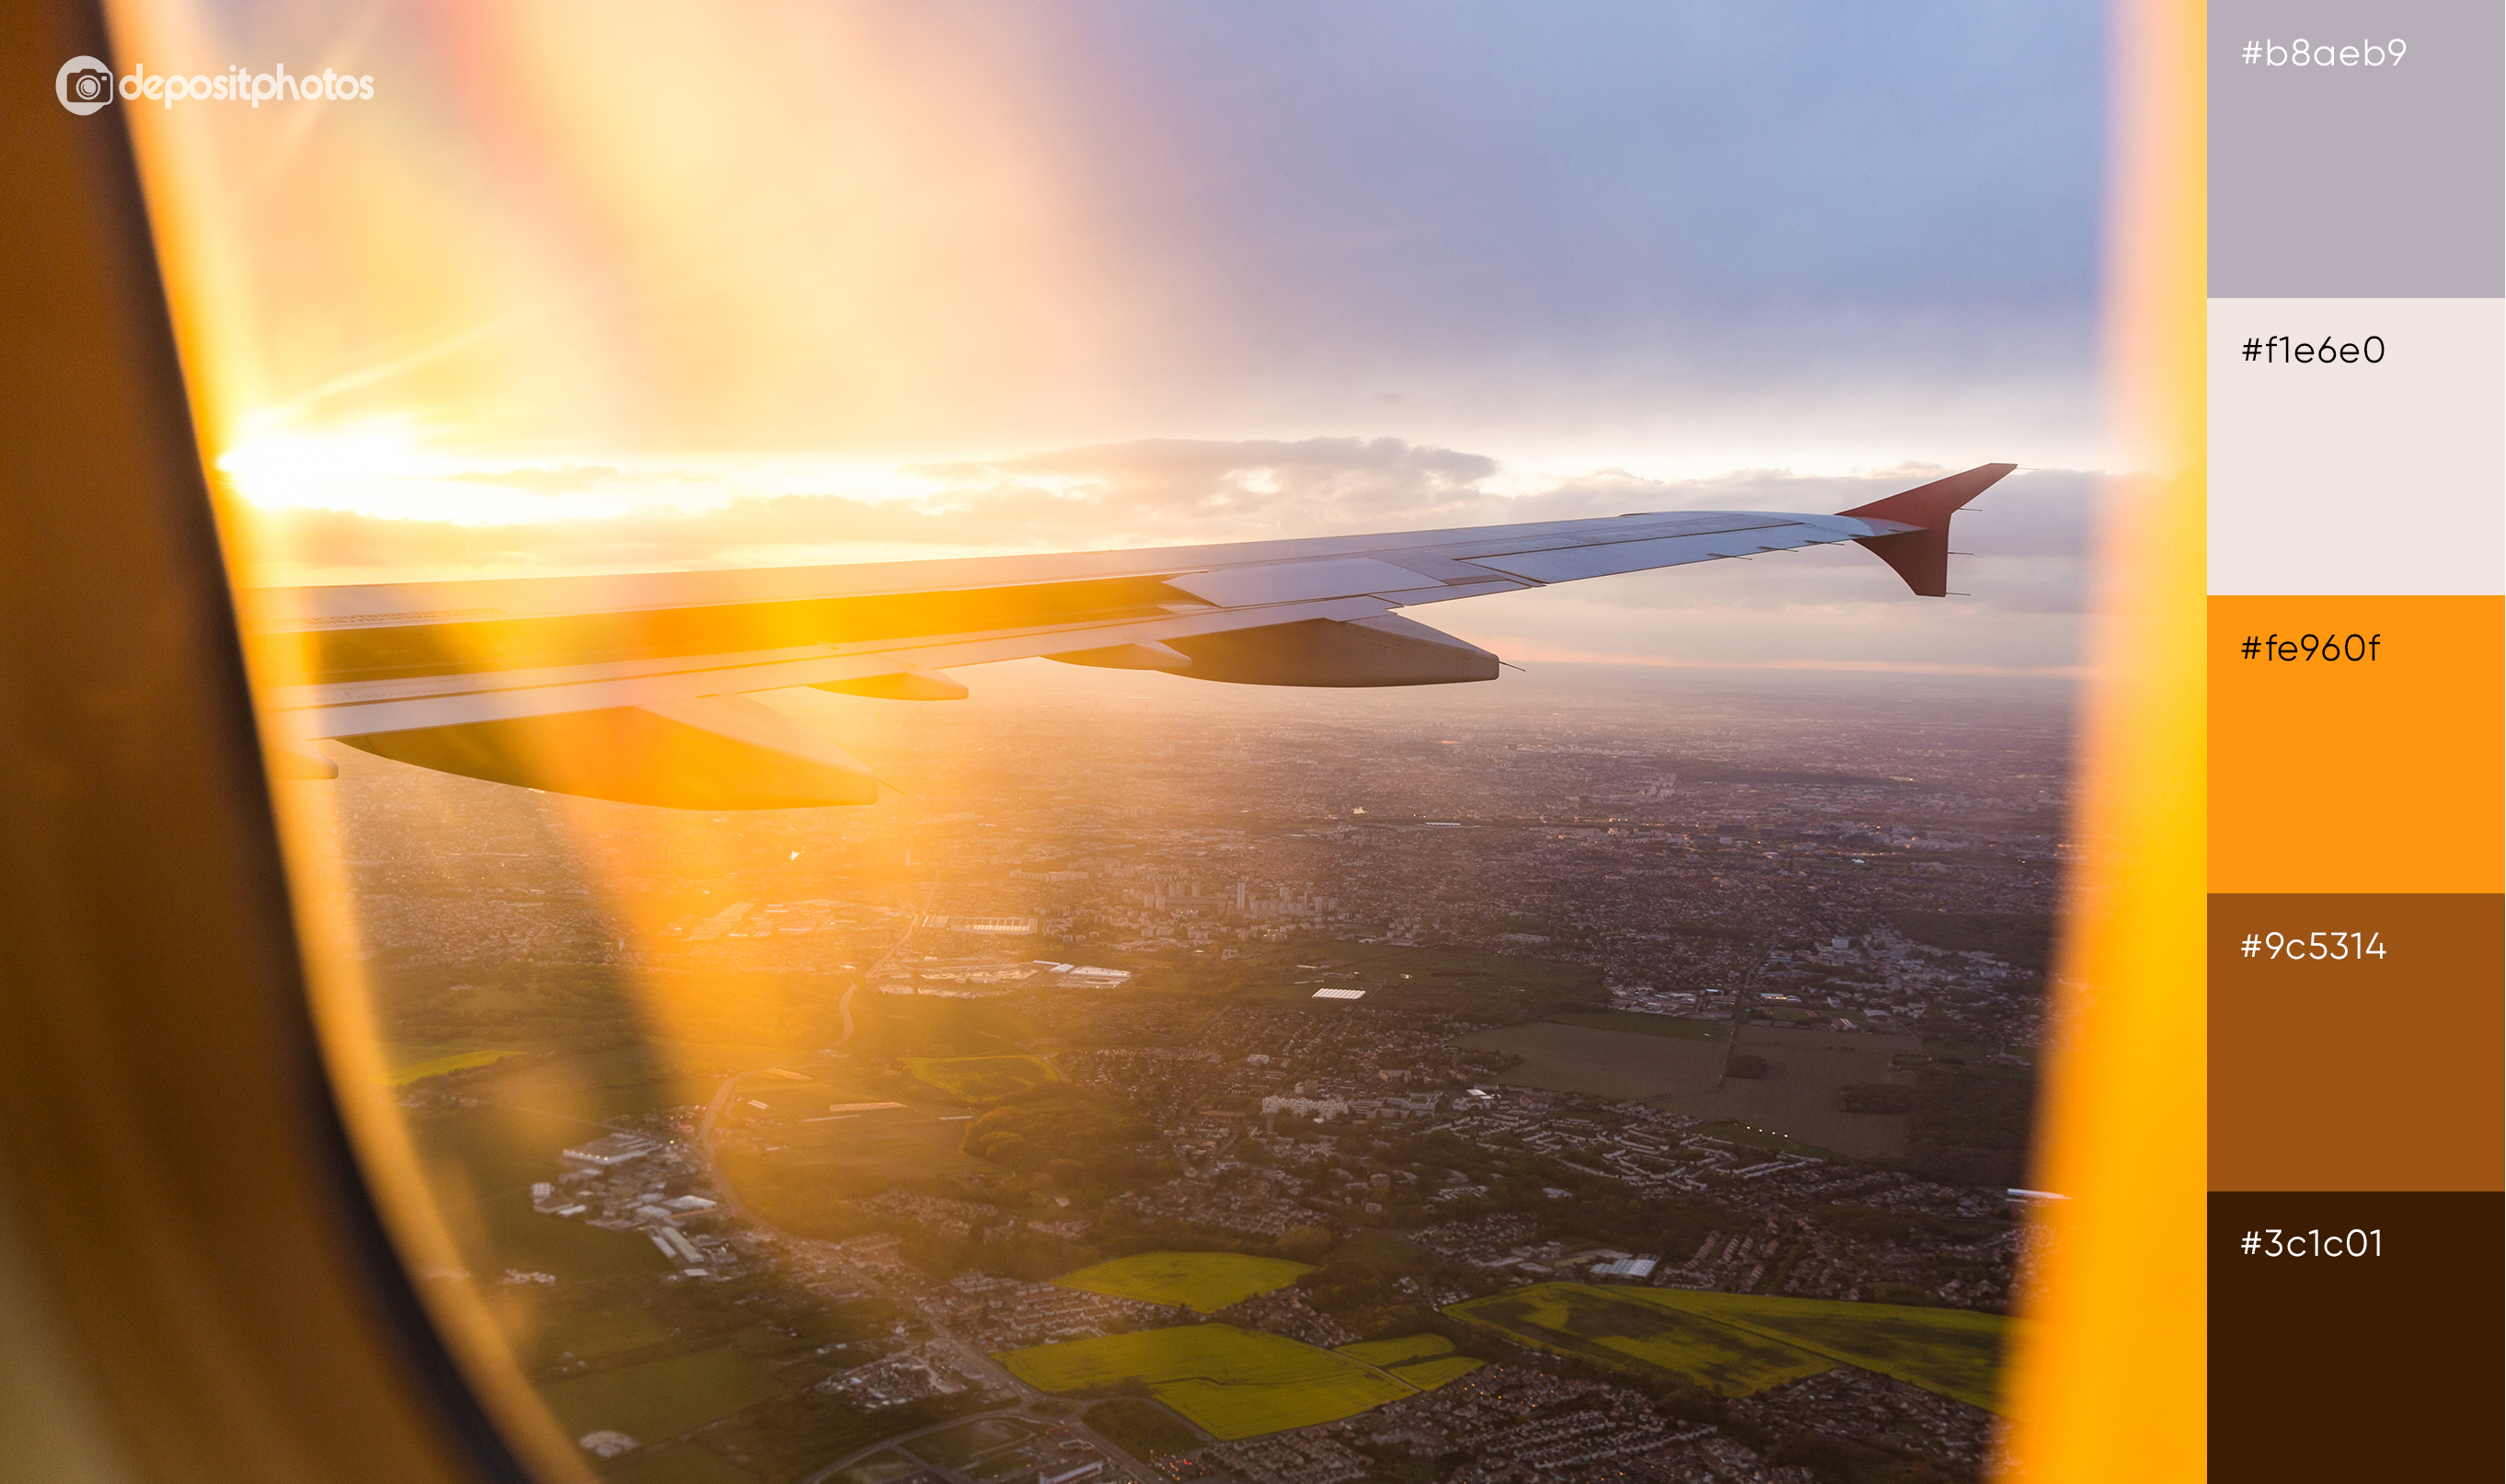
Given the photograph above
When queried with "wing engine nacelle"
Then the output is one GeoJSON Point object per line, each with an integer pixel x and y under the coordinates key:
{"type": "Point", "coordinates": [1389, 650]}
{"type": "Point", "coordinates": [710, 753]}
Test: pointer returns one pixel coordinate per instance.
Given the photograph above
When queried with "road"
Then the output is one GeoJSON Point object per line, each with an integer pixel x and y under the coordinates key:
{"type": "Point", "coordinates": [723, 1095]}
{"type": "Point", "coordinates": [845, 1006]}
{"type": "Point", "coordinates": [970, 1361]}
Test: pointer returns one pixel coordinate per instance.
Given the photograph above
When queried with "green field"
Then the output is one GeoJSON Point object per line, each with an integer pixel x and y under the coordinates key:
{"type": "Point", "coordinates": [660, 1398]}
{"type": "Point", "coordinates": [983, 1079]}
{"type": "Point", "coordinates": [1476, 985]}
{"type": "Point", "coordinates": [412, 1064]}
{"type": "Point", "coordinates": [1642, 1024]}
{"type": "Point", "coordinates": [1401, 1352]}
{"type": "Point", "coordinates": [547, 1325]}
{"type": "Point", "coordinates": [1201, 1281]}
{"type": "Point", "coordinates": [1954, 1351]}
{"type": "Point", "coordinates": [1380, 1249]}
{"type": "Point", "coordinates": [480, 1164]}
{"type": "Point", "coordinates": [827, 1156]}
{"type": "Point", "coordinates": [1616, 1325]}
{"type": "Point", "coordinates": [958, 1446]}
{"type": "Point", "coordinates": [481, 1161]}
{"type": "Point", "coordinates": [681, 1465]}
{"type": "Point", "coordinates": [2022, 938]}
{"type": "Point", "coordinates": [1427, 1375]}
{"type": "Point", "coordinates": [1423, 1360]}
{"type": "Point", "coordinates": [1737, 1344]}
{"type": "Point", "coordinates": [1232, 1383]}
{"type": "Point", "coordinates": [1603, 1063]}
{"type": "Point", "coordinates": [1141, 1428]}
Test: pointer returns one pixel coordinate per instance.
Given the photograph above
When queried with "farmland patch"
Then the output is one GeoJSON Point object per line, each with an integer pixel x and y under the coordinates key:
{"type": "Point", "coordinates": [1201, 1281]}
{"type": "Point", "coordinates": [1230, 1383]}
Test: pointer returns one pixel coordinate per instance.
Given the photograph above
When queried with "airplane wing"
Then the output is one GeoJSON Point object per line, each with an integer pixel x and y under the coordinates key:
{"type": "Point", "coordinates": [641, 688]}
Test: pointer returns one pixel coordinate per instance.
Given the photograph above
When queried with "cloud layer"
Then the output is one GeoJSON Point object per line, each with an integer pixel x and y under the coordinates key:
{"type": "Point", "coordinates": [1706, 236]}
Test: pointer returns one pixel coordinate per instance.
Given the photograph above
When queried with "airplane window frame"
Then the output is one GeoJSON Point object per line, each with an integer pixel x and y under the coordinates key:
{"type": "Point", "coordinates": [186, 1199]}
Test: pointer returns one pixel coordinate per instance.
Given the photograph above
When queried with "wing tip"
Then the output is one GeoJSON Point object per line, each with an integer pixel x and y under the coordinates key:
{"type": "Point", "coordinates": [1933, 503]}
{"type": "Point", "coordinates": [1921, 556]}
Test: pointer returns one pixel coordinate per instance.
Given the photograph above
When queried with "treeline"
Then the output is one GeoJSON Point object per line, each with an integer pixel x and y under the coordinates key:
{"type": "Point", "coordinates": [1875, 1097]}
{"type": "Point", "coordinates": [806, 1198]}
{"type": "Point", "coordinates": [1122, 1234]}
{"type": "Point", "coordinates": [2025, 939]}
{"type": "Point", "coordinates": [1016, 1251]}
{"type": "Point", "coordinates": [1970, 1128]}
{"type": "Point", "coordinates": [590, 1003]}
{"type": "Point", "coordinates": [1078, 1144]}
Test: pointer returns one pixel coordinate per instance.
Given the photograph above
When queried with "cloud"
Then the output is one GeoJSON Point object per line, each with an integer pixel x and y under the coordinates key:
{"type": "Point", "coordinates": [1730, 233]}
{"type": "Point", "coordinates": [1144, 492]}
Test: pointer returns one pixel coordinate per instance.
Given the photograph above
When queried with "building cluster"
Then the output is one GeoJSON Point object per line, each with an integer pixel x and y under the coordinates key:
{"type": "Point", "coordinates": [1005, 1313]}
{"type": "Point", "coordinates": [1876, 1411]}
{"type": "Point", "coordinates": [1166, 1083]}
{"type": "Point", "coordinates": [1364, 1050]}
{"type": "Point", "coordinates": [1253, 1208]}
{"type": "Point", "coordinates": [950, 1219]}
{"type": "Point", "coordinates": [1288, 1312]}
{"type": "Point", "coordinates": [1323, 1105]}
{"type": "Point", "coordinates": [1310, 1456]}
{"type": "Point", "coordinates": [1513, 1425]}
{"type": "Point", "coordinates": [647, 1181]}
{"type": "Point", "coordinates": [1712, 1459]}
{"type": "Point", "coordinates": [912, 1374]}
{"type": "Point", "coordinates": [1482, 1240]}
{"type": "Point", "coordinates": [1648, 1152]}
{"type": "Point", "coordinates": [1511, 1422]}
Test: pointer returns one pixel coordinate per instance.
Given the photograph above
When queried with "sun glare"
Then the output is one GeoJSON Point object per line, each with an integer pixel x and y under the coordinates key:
{"type": "Point", "coordinates": [384, 471]}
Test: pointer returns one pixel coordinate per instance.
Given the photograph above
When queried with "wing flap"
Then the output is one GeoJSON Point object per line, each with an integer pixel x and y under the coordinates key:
{"type": "Point", "coordinates": [1569, 564]}
{"type": "Point", "coordinates": [1296, 581]}
{"type": "Point", "coordinates": [353, 710]}
{"type": "Point", "coordinates": [709, 753]}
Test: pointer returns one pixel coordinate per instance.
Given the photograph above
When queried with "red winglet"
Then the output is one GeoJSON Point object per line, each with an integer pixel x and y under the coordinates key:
{"type": "Point", "coordinates": [1922, 556]}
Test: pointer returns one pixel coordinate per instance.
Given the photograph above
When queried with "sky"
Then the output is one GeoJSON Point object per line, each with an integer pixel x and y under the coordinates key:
{"type": "Point", "coordinates": [599, 287]}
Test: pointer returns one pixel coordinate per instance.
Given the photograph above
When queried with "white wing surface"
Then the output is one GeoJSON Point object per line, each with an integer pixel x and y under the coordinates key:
{"type": "Point", "coordinates": [634, 687]}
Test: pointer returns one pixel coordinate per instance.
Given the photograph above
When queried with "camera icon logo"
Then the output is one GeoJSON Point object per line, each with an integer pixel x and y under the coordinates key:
{"type": "Point", "coordinates": [84, 85]}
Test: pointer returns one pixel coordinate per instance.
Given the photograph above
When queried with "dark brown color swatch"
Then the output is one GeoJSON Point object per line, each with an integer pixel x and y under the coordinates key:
{"type": "Point", "coordinates": [2381, 1074]}
{"type": "Point", "coordinates": [2370, 1367]}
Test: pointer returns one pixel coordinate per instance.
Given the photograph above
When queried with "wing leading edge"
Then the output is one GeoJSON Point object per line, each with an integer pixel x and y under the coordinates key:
{"type": "Point", "coordinates": [635, 687]}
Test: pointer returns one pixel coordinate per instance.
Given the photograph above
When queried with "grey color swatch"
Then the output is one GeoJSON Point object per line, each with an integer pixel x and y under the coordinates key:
{"type": "Point", "coordinates": [2358, 180]}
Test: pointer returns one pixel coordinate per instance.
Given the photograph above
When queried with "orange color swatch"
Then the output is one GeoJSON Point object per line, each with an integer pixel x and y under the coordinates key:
{"type": "Point", "coordinates": [2374, 774]}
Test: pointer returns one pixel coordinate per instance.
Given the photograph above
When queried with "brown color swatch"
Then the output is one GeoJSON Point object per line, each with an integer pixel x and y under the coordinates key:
{"type": "Point", "coordinates": [2359, 1074]}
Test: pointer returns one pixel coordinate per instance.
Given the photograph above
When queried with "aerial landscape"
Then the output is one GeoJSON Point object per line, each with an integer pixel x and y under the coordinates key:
{"type": "Point", "coordinates": [1610, 1074]}
{"type": "Point", "coordinates": [1624, 1066]}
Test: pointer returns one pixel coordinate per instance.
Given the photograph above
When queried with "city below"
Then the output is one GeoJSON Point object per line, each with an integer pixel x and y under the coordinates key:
{"type": "Point", "coordinates": [1599, 1076]}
